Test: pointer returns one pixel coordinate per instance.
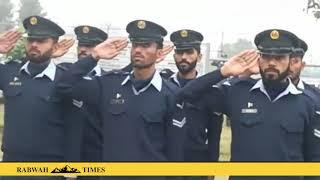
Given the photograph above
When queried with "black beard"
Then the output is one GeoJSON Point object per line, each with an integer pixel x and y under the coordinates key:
{"type": "Point", "coordinates": [183, 69]}
{"type": "Point", "coordinates": [295, 78]}
{"type": "Point", "coordinates": [42, 58]}
{"type": "Point", "coordinates": [274, 82]}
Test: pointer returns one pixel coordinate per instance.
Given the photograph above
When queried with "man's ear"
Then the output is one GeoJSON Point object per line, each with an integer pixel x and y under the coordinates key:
{"type": "Point", "coordinates": [199, 57]}
{"type": "Point", "coordinates": [159, 53]}
{"type": "Point", "coordinates": [303, 65]}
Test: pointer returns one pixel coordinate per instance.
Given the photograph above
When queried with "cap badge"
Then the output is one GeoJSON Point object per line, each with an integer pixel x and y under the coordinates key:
{"type": "Point", "coordinates": [184, 33]}
{"type": "Point", "coordinates": [33, 21]}
{"type": "Point", "coordinates": [85, 29]}
{"type": "Point", "coordinates": [274, 34]}
{"type": "Point", "coordinates": [141, 24]}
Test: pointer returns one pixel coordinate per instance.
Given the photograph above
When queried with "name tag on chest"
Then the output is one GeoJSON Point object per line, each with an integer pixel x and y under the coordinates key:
{"type": "Point", "coordinates": [249, 111]}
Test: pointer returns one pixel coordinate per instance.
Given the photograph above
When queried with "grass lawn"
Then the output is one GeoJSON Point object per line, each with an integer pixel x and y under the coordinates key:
{"type": "Point", "coordinates": [1, 126]}
{"type": "Point", "coordinates": [1, 115]}
{"type": "Point", "coordinates": [224, 148]}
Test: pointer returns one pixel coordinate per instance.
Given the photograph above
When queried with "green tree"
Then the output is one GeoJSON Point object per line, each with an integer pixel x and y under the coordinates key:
{"type": "Point", "coordinates": [19, 51]}
{"type": "Point", "coordinates": [6, 14]}
{"type": "Point", "coordinates": [314, 7]}
{"type": "Point", "coordinates": [27, 8]}
{"type": "Point", "coordinates": [231, 49]}
{"type": "Point", "coordinates": [30, 8]}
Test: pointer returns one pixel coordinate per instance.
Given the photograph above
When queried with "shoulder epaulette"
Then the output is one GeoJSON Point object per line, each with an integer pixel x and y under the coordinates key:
{"type": "Point", "coordinates": [170, 85]}
{"type": "Point", "coordinates": [235, 80]}
{"type": "Point", "coordinates": [7, 61]}
{"type": "Point", "coordinates": [63, 66]}
{"type": "Point", "coordinates": [115, 72]}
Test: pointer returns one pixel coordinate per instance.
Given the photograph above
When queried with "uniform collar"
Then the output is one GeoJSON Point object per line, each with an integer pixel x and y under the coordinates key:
{"type": "Point", "coordinates": [292, 89]}
{"type": "Point", "coordinates": [97, 69]}
{"type": "Point", "coordinates": [174, 77]}
{"type": "Point", "coordinates": [156, 82]}
{"type": "Point", "coordinates": [300, 84]}
{"type": "Point", "coordinates": [50, 71]}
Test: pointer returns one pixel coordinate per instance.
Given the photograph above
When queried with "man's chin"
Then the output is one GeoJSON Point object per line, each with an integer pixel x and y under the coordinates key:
{"type": "Point", "coordinates": [32, 59]}
{"type": "Point", "coordinates": [184, 71]}
{"type": "Point", "coordinates": [271, 77]}
{"type": "Point", "coordinates": [141, 66]}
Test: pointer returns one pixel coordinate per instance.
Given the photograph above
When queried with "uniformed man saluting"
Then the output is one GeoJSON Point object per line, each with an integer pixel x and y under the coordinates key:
{"type": "Point", "coordinates": [140, 121]}
{"type": "Point", "coordinates": [297, 64]}
{"type": "Point", "coordinates": [203, 127]}
{"type": "Point", "coordinates": [33, 123]}
{"type": "Point", "coordinates": [271, 120]}
{"type": "Point", "coordinates": [85, 139]}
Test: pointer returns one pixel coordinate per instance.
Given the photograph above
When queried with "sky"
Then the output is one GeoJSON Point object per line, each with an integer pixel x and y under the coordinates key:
{"type": "Point", "coordinates": [217, 20]}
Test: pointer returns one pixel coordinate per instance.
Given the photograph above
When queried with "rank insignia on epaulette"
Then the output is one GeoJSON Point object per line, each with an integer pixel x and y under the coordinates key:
{"type": "Point", "coordinates": [179, 124]}
{"type": "Point", "coordinates": [316, 133]}
{"type": "Point", "coordinates": [77, 103]}
{"type": "Point", "coordinates": [180, 105]}
{"type": "Point", "coordinates": [17, 61]}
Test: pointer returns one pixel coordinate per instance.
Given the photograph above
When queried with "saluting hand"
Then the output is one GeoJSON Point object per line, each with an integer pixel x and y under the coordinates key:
{"type": "Point", "coordinates": [8, 40]}
{"type": "Point", "coordinates": [254, 67]}
{"type": "Point", "coordinates": [109, 48]}
{"type": "Point", "coordinates": [164, 52]}
{"type": "Point", "coordinates": [62, 47]}
{"type": "Point", "coordinates": [240, 63]}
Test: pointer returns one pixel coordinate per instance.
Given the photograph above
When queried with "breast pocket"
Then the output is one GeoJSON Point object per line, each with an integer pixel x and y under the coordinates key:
{"type": "Point", "coordinates": [50, 103]}
{"type": "Point", "coordinates": [117, 109]}
{"type": "Point", "coordinates": [12, 92]}
{"type": "Point", "coordinates": [51, 99]}
{"type": "Point", "coordinates": [250, 120]}
{"type": "Point", "coordinates": [293, 135]}
{"type": "Point", "coordinates": [153, 126]}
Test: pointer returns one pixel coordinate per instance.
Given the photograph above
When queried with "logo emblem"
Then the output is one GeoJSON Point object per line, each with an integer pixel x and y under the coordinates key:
{"type": "Point", "coordinates": [118, 99]}
{"type": "Point", "coordinates": [184, 33]}
{"type": "Point", "coordinates": [118, 96]}
{"type": "Point", "coordinates": [274, 35]}
{"type": "Point", "coordinates": [141, 24]}
{"type": "Point", "coordinates": [86, 29]}
{"type": "Point", "coordinates": [66, 169]}
{"type": "Point", "coordinates": [33, 21]}
{"type": "Point", "coordinates": [15, 82]}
